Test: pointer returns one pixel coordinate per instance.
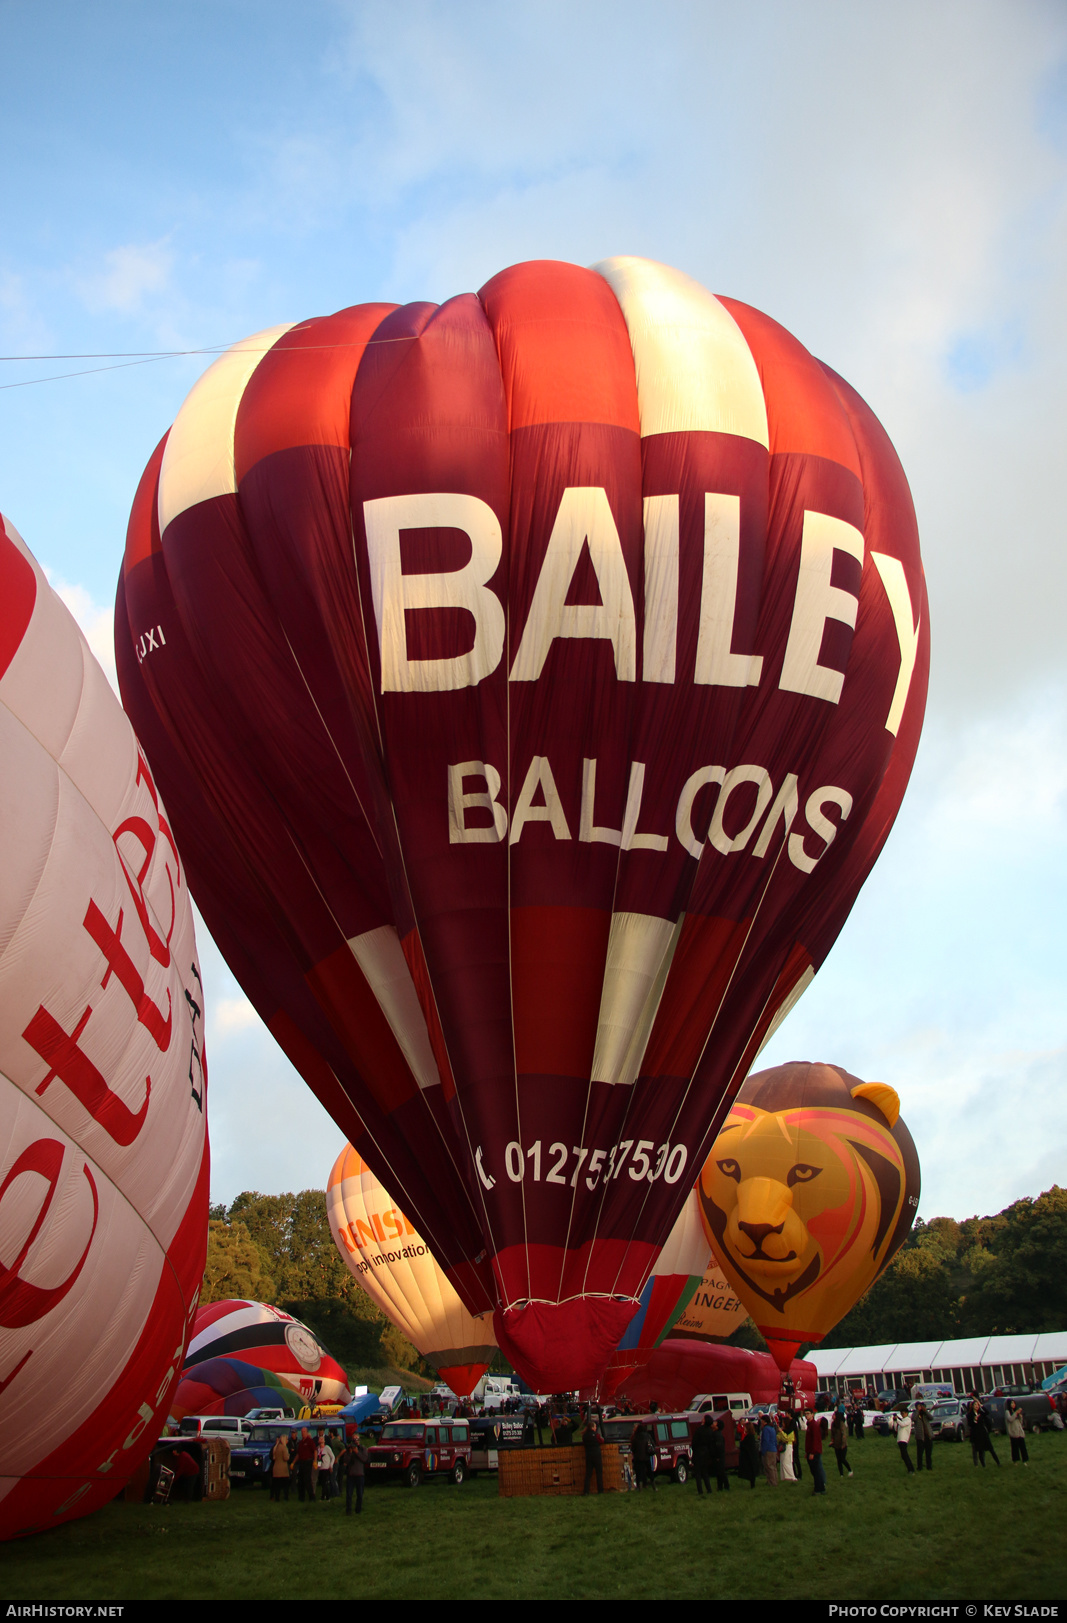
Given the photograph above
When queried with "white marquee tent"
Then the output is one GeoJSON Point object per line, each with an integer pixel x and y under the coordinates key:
{"type": "Point", "coordinates": [973, 1363]}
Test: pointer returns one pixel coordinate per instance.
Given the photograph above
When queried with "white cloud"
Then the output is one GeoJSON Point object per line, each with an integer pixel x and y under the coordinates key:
{"type": "Point", "coordinates": [96, 621]}
{"type": "Point", "coordinates": [947, 979]}
{"type": "Point", "coordinates": [129, 273]}
{"type": "Point", "coordinates": [231, 1014]}
{"type": "Point", "coordinates": [22, 325]}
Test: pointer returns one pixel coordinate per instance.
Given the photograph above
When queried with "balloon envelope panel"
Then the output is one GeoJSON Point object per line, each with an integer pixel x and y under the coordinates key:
{"type": "Point", "coordinates": [679, 1371]}
{"type": "Point", "coordinates": [677, 1271]}
{"type": "Point", "coordinates": [231, 1386]}
{"type": "Point", "coordinates": [534, 679]}
{"type": "Point", "coordinates": [394, 1265]}
{"type": "Point", "coordinates": [713, 1312]}
{"type": "Point", "coordinates": [809, 1190]}
{"type": "Point", "coordinates": [259, 1334]}
{"type": "Point", "coordinates": [103, 1138]}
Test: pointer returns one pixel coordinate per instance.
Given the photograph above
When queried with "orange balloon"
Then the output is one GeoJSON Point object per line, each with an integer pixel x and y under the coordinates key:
{"type": "Point", "coordinates": [809, 1190]}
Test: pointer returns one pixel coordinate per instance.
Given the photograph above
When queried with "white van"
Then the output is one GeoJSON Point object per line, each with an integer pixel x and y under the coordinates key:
{"type": "Point", "coordinates": [494, 1390]}
{"type": "Point", "coordinates": [738, 1403]}
{"type": "Point", "coordinates": [233, 1427]}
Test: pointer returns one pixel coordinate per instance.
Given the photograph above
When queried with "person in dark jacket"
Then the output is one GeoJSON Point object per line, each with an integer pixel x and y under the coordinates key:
{"type": "Point", "coordinates": [354, 1459]}
{"type": "Point", "coordinates": [306, 1449]}
{"type": "Point", "coordinates": [594, 1459]}
{"type": "Point", "coordinates": [924, 1438]}
{"type": "Point", "coordinates": [641, 1454]}
{"type": "Point", "coordinates": [839, 1440]}
{"type": "Point", "coordinates": [748, 1462]}
{"type": "Point", "coordinates": [718, 1457]}
{"type": "Point", "coordinates": [978, 1426]}
{"type": "Point", "coordinates": [703, 1454]}
{"type": "Point", "coordinates": [768, 1447]}
{"type": "Point", "coordinates": [187, 1471]}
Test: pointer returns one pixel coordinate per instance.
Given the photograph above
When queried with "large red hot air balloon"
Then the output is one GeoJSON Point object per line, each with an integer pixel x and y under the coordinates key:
{"type": "Point", "coordinates": [533, 679]}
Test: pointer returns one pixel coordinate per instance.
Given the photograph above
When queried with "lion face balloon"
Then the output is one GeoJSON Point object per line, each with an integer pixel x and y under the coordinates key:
{"type": "Point", "coordinates": [809, 1190]}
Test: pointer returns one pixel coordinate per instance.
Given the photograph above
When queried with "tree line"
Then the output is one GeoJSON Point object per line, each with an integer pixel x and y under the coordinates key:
{"type": "Point", "coordinates": [983, 1276]}
{"type": "Point", "coordinates": [279, 1249]}
{"type": "Point", "coordinates": [999, 1275]}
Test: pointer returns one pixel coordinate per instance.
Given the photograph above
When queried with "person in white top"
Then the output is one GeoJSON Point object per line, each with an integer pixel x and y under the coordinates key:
{"type": "Point", "coordinates": [903, 1439]}
{"type": "Point", "coordinates": [324, 1465]}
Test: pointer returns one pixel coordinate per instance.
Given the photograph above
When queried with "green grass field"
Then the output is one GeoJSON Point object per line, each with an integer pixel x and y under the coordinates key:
{"type": "Point", "coordinates": [959, 1533]}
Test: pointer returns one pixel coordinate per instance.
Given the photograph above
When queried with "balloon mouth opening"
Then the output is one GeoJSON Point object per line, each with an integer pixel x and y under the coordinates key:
{"type": "Point", "coordinates": [785, 1351]}
{"type": "Point", "coordinates": [462, 1378]}
{"type": "Point", "coordinates": [562, 1346]}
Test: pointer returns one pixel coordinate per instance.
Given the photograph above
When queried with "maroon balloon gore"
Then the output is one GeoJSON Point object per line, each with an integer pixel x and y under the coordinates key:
{"type": "Point", "coordinates": [533, 680]}
{"type": "Point", "coordinates": [561, 1346]}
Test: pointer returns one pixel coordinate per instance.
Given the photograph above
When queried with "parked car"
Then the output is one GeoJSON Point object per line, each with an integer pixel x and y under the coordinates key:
{"type": "Point", "coordinates": [948, 1419]}
{"type": "Point", "coordinates": [672, 1453]}
{"type": "Point", "coordinates": [230, 1426]}
{"type": "Point", "coordinates": [250, 1457]}
{"type": "Point", "coordinates": [759, 1412]}
{"type": "Point", "coordinates": [1037, 1408]}
{"type": "Point", "coordinates": [735, 1403]}
{"type": "Point", "coordinates": [410, 1450]}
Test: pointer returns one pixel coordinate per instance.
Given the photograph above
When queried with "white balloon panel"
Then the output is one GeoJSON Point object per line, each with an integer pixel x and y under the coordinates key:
{"type": "Point", "coordinates": [103, 1139]}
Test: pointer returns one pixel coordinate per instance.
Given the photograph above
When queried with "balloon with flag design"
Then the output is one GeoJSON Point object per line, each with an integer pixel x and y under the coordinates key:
{"type": "Point", "coordinates": [808, 1193]}
{"type": "Point", "coordinates": [534, 679]}
{"type": "Point", "coordinates": [103, 1132]}
{"type": "Point", "coordinates": [259, 1334]}
{"type": "Point", "coordinates": [394, 1265]}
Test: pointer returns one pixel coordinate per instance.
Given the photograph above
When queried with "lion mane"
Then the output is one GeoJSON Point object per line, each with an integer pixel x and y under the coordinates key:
{"type": "Point", "coordinates": [810, 1188]}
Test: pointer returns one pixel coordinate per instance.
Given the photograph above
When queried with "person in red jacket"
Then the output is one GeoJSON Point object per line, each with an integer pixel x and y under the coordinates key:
{"type": "Point", "coordinates": [813, 1450]}
{"type": "Point", "coordinates": [306, 1450]}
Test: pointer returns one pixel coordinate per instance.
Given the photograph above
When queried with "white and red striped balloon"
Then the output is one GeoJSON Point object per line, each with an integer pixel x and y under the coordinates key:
{"type": "Point", "coordinates": [259, 1334]}
{"type": "Point", "coordinates": [103, 1133]}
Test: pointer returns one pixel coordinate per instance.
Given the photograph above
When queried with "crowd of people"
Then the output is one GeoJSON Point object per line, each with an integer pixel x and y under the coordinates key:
{"type": "Point", "coordinates": [774, 1445]}
{"type": "Point", "coordinates": [321, 1462]}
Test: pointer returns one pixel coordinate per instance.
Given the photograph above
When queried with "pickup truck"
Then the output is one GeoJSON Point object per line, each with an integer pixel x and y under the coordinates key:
{"type": "Point", "coordinates": [411, 1450]}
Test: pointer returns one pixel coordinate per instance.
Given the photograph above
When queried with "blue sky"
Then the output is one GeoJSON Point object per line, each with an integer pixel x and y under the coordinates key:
{"type": "Point", "coordinates": [889, 182]}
